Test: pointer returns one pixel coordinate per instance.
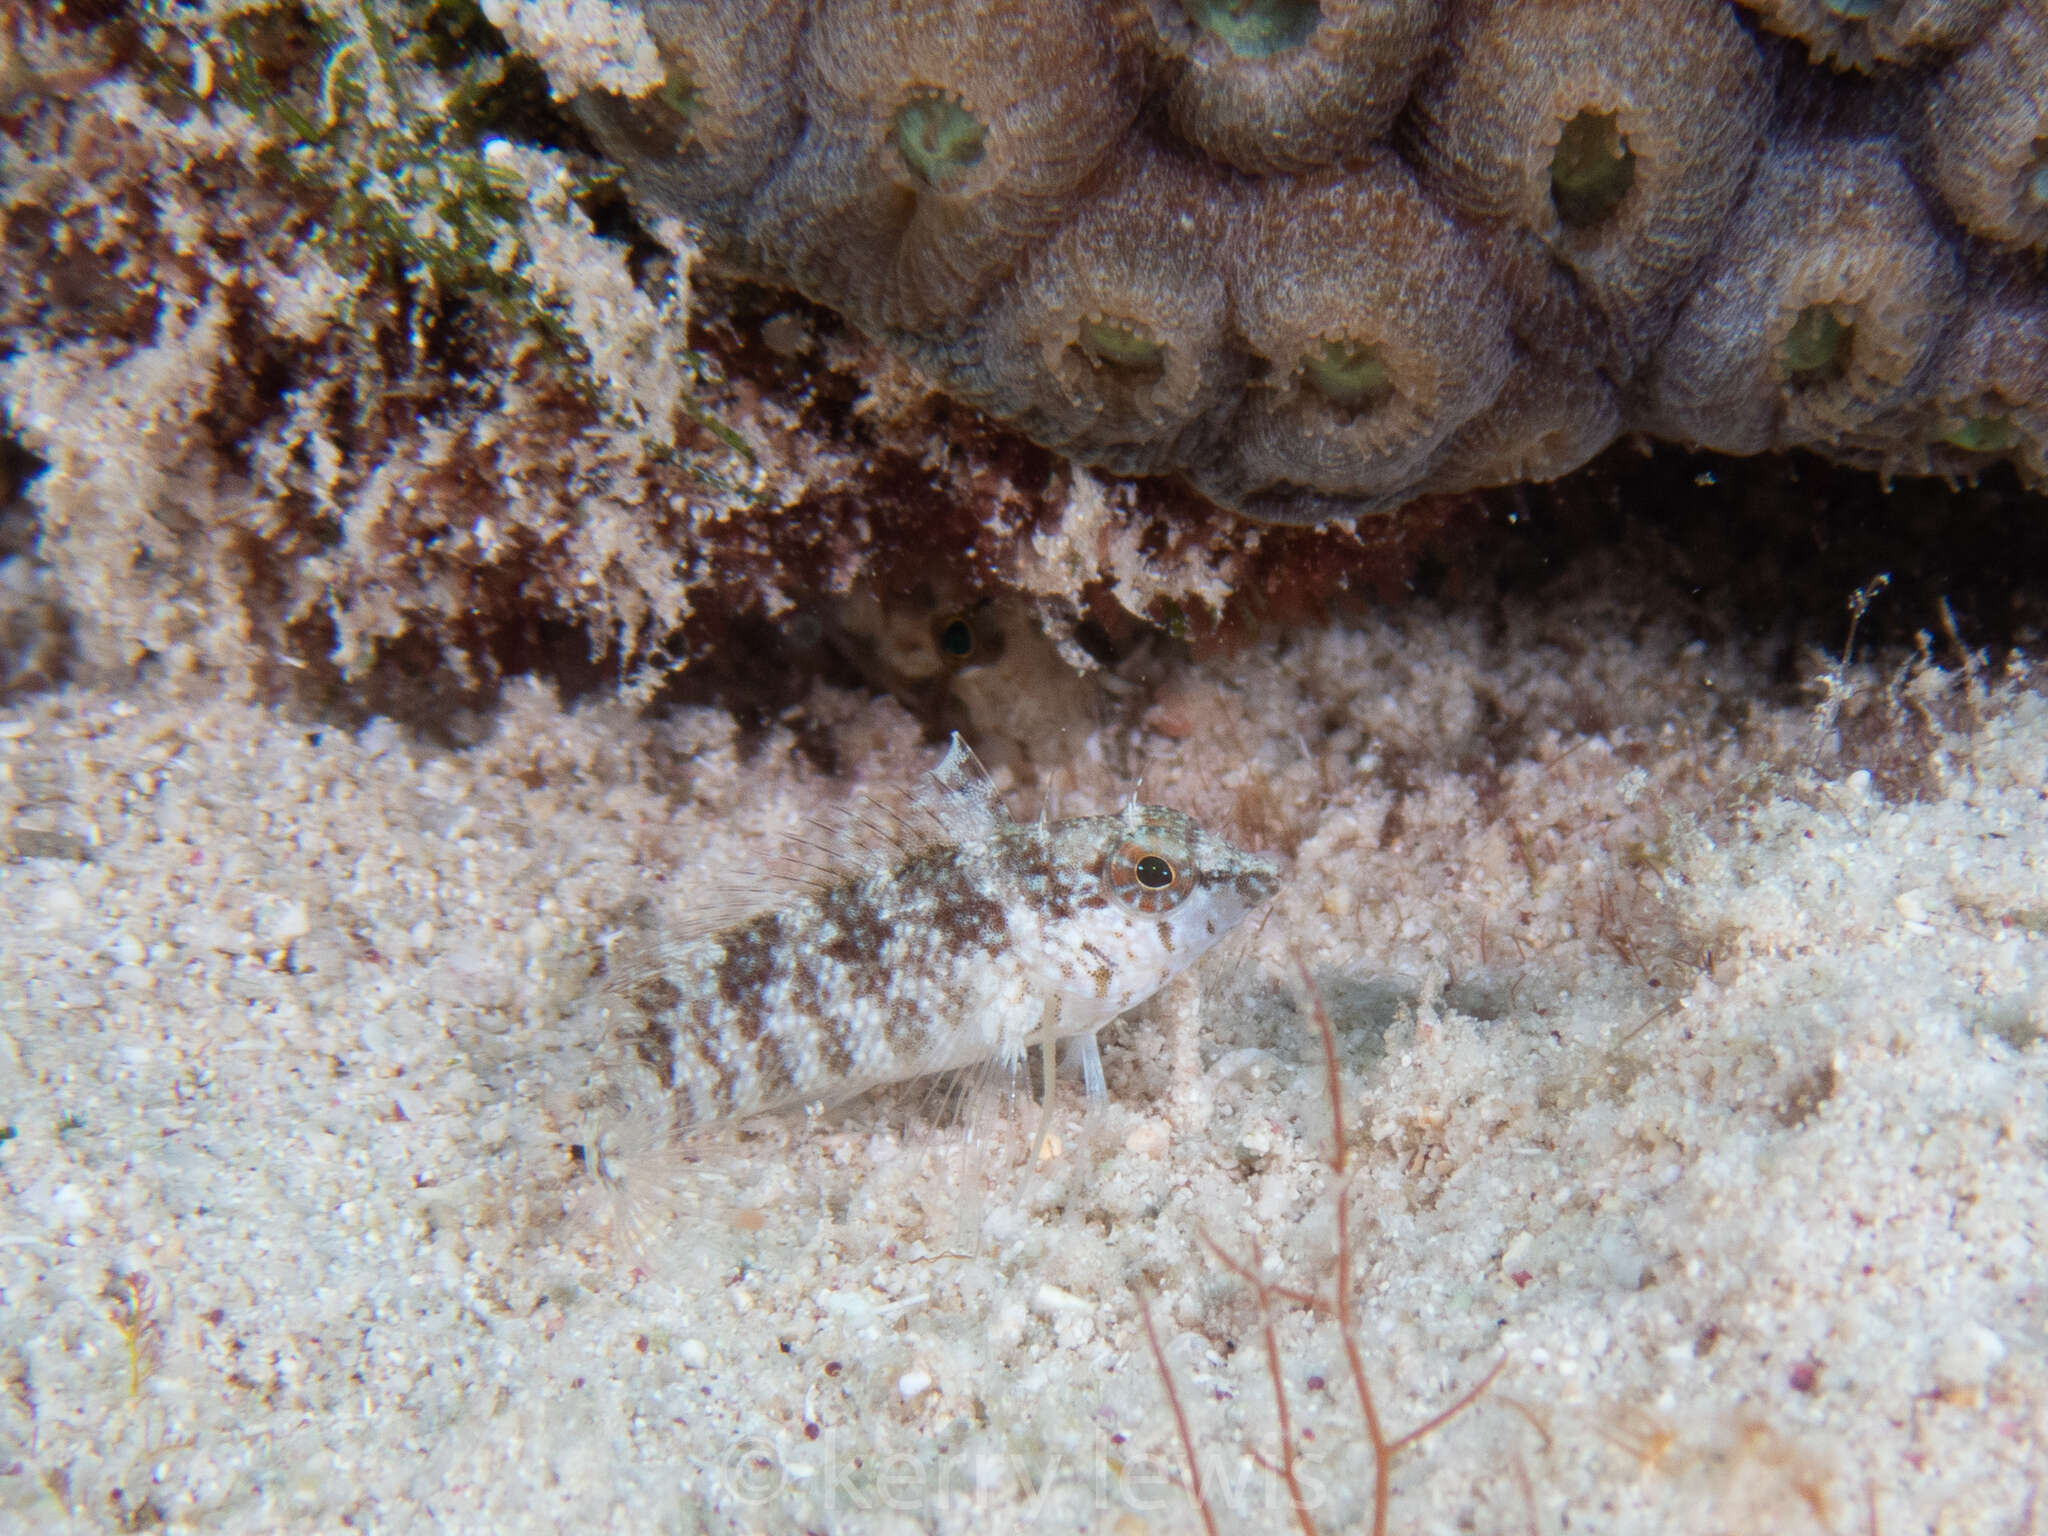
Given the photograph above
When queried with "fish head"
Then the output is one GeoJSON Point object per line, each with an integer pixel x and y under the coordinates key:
{"type": "Point", "coordinates": [1146, 893]}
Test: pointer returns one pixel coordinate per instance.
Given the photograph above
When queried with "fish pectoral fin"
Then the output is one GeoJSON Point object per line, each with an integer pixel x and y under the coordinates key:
{"type": "Point", "coordinates": [1048, 1057]}
{"type": "Point", "coordinates": [1085, 1050]}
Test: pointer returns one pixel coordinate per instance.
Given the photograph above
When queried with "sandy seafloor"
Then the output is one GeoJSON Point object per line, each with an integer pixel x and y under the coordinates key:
{"type": "Point", "coordinates": [1688, 1070]}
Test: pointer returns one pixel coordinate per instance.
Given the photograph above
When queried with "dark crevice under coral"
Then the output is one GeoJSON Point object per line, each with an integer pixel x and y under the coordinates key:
{"type": "Point", "coordinates": [17, 514]}
{"type": "Point", "coordinates": [1758, 548]}
{"type": "Point", "coordinates": [35, 649]}
{"type": "Point", "coordinates": [1774, 540]}
{"type": "Point", "coordinates": [1780, 542]}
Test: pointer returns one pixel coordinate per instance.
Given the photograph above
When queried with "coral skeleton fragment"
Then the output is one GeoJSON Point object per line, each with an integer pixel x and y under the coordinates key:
{"type": "Point", "coordinates": [1150, 234]}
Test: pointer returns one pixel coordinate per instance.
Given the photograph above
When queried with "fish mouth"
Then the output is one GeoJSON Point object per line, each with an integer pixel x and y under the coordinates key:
{"type": "Point", "coordinates": [1249, 879]}
{"type": "Point", "coordinates": [1255, 879]}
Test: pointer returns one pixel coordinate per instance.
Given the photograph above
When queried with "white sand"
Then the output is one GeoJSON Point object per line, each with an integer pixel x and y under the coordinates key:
{"type": "Point", "coordinates": [1709, 1096]}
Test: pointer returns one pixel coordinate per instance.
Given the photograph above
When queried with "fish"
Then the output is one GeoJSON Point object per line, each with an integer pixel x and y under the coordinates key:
{"type": "Point", "coordinates": [966, 938]}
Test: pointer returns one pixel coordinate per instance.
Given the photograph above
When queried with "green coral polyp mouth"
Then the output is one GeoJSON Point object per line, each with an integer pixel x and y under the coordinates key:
{"type": "Point", "coordinates": [1982, 434]}
{"type": "Point", "coordinates": [1121, 345]}
{"type": "Point", "coordinates": [1348, 374]}
{"type": "Point", "coordinates": [2037, 175]}
{"type": "Point", "coordinates": [940, 140]}
{"type": "Point", "coordinates": [1853, 10]}
{"type": "Point", "coordinates": [1817, 347]}
{"type": "Point", "coordinates": [1256, 29]}
{"type": "Point", "coordinates": [1592, 170]}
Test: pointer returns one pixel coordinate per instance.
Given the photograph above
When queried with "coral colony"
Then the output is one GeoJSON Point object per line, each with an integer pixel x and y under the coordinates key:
{"type": "Point", "coordinates": [1322, 258]}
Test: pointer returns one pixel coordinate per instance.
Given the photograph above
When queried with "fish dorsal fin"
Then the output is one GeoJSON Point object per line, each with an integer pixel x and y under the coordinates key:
{"type": "Point", "coordinates": [963, 797]}
{"type": "Point", "coordinates": [956, 802]}
{"type": "Point", "coordinates": [878, 829]}
{"type": "Point", "coordinates": [875, 830]}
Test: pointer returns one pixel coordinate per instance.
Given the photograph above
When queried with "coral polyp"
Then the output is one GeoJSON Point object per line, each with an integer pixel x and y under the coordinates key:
{"type": "Point", "coordinates": [1321, 257]}
{"type": "Point", "coordinates": [1127, 346]}
{"type": "Point", "coordinates": [1111, 344]}
{"type": "Point", "coordinates": [1868, 34]}
{"type": "Point", "coordinates": [1592, 170]}
{"type": "Point", "coordinates": [1256, 29]}
{"type": "Point", "coordinates": [1987, 126]}
{"type": "Point", "coordinates": [942, 138]}
{"type": "Point", "coordinates": [1825, 312]}
{"type": "Point", "coordinates": [1987, 401]}
{"type": "Point", "coordinates": [1618, 136]}
{"type": "Point", "coordinates": [1351, 375]}
{"type": "Point", "coordinates": [724, 115]}
{"type": "Point", "coordinates": [1288, 85]}
{"type": "Point", "coordinates": [1817, 346]}
{"type": "Point", "coordinates": [1376, 334]}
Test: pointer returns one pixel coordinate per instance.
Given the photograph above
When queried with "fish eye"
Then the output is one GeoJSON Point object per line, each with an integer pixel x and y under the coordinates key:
{"type": "Point", "coordinates": [1147, 877]}
{"type": "Point", "coordinates": [956, 637]}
